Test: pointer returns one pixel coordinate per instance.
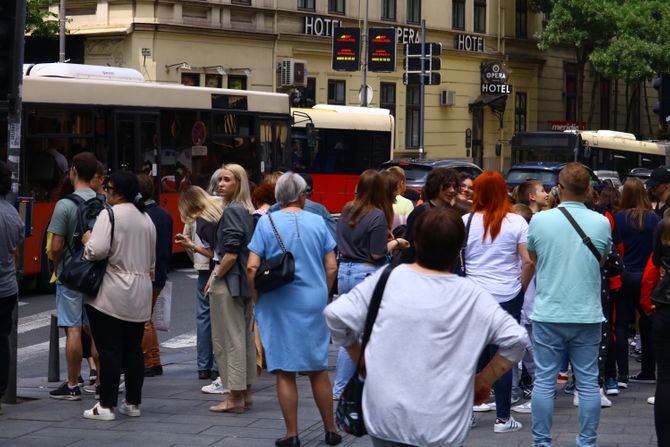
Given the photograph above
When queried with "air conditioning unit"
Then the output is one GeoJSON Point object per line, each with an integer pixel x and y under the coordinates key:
{"type": "Point", "coordinates": [293, 73]}
{"type": "Point", "coordinates": [447, 98]}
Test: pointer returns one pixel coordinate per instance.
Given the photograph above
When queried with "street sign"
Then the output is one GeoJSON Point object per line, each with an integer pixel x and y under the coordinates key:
{"type": "Point", "coordinates": [415, 79]}
{"type": "Point", "coordinates": [381, 50]}
{"type": "Point", "coordinates": [346, 49]}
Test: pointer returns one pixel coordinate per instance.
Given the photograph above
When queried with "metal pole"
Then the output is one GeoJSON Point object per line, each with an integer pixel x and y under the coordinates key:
{"type": "Point", "coordinates": [364, 60]}
{"type": "Point", "coordinates": [61, 32]}
{"type": "Point", "coordinates": [53, 374]}
{"type": "Point", "coordinates": [422, 89]}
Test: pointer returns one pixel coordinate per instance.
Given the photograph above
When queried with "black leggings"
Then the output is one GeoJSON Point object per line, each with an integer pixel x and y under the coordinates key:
{"type": "Point", "coordinates": [661, 329]}
{"type": "Point", "coordinates": [6, 322]}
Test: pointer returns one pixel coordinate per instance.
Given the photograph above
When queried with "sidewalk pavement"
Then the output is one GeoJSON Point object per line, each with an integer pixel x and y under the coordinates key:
{"type": "Point", "coordinates": [175, 413]}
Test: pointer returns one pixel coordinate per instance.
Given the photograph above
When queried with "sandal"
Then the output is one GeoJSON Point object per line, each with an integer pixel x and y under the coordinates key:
{"type": "Point", "coordinates": [227, 407]}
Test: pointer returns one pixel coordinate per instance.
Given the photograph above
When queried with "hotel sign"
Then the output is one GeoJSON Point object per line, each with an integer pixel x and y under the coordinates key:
{"type": "Point", "coordinates": [321, 26]}
{"type": "Point", "coordinates": [466, 42]}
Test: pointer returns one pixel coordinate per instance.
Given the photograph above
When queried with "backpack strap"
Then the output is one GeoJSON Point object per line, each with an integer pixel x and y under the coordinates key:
{"type": "Point", "coordinates": [373, 308]}
{"type": "Point", "coordinates": [585, 239]}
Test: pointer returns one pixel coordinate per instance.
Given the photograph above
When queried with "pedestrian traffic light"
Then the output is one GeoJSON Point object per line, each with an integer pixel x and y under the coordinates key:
{"type": "Point", "coordinates": [662, 106]}
{"type": "Point", "coordinates": [12, 22]}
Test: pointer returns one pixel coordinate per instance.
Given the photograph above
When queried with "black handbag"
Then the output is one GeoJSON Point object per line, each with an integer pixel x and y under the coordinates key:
{"type": "Point", "coordinates": [83, 275]}
{"type": "Point", "coordinates": [275, 272]}
{"type": "Point", "coordinates": [459, 265]}
{"type": "Point", "coordinates": [349, 412]}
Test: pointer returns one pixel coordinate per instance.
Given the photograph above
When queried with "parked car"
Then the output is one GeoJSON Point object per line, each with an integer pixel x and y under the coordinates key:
{"type": "Point", "coordinates": [546, 172]}
{"type": "Point", "coordinates": [416, 171]}
{"type": "Point", "coordinates": [609, 177]}
{"type": "Point", "coordinates": [641, 173]}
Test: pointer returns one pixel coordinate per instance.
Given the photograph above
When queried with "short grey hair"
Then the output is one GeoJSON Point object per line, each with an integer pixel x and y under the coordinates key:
{"type": "Point", "coordinates": [213, 187]}
{"type": "Point", "coordinates": [288, 188]}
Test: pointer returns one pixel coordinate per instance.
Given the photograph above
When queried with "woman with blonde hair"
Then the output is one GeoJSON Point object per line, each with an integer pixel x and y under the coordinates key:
{"type": "Point", "coordinates": [229, 294]}
{"type": "Point", "coordinates": [201, 213]}
{"type": "Point", "coordinates": [635, 223]}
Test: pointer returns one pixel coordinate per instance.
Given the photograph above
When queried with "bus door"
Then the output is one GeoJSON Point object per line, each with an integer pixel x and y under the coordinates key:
{"type": "Point", "coordinates": [137, 143]}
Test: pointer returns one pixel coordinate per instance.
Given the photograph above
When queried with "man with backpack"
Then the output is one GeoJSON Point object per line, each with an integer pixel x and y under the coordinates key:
{"type": "Point", "coordinates": [65, 223]}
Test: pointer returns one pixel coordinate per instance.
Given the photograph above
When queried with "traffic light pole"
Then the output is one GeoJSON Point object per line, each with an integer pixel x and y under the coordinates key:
{"type": "Point", "coordinates": [61, 31]}
{"type": "Point", "coordinates": [14, 162]}
{"type": "Point", "coordinates": [422, 89]}
{"type": "Point", "coordinates": [364, 60]}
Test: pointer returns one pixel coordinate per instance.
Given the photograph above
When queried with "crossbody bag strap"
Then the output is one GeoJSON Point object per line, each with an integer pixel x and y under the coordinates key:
{"type": "Point", "coordinates": [281, 244]}
{"type": "Point", "coordinates": [465, 241]}
{"type": "Point", "coordinates": [585, 239]}
{"type": "Point", "coordinates": [373, 309]}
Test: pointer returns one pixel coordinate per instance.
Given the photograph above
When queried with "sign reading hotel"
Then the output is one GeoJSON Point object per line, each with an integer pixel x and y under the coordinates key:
{"type": "Point", "coordinates": [321, 26]}
{"type": "Point", "coordinates": [467, 42]}
{"type": "Point", "coordinates": [381, 49]}
{"type": "Point", "coordinates": [346, 49]}
{"type": "Point", "coordinates": [494, 79]}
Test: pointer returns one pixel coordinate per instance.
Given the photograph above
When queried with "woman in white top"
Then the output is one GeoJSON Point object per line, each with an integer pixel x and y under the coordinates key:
{"type": "Point", "coordinates": [496, 258]}
{"type": "Point", "coordinates": [436, 320]}
{"type": "Point", "coordinates": [123, 304]}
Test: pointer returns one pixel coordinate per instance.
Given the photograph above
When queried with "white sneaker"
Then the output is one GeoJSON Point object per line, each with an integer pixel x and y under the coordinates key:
{"type": "Point", "coordinates": [506, 427]}
{"type": "Point", "coordinates": [482, 408]}
{"type": "Point", "coordinates": [604, 401]}
{"type": "Point", "coordinates": [651, 400]}
{"type": "Point", "coordinates": [100, 414]}
{"type": "Point", "coordinates": [129, 409]}
{"type": "Point", "coordinates": [215, 387]}
{"type": "Point", "coordinates": [524, 408]}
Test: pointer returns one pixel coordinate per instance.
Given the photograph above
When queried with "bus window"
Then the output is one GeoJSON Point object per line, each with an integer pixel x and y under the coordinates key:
{"type": "Point", "coordinates": [273, 151]}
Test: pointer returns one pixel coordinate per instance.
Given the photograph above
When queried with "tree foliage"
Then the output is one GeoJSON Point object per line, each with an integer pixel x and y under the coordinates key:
{"type": "Point", "coordinates": [39, 20]}
{"type": "Point", "coordinates": [640, 47]}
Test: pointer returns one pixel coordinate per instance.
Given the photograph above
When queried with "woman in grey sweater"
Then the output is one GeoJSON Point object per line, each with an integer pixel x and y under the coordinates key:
{"type": "Point", "coordinates": [439, 322]}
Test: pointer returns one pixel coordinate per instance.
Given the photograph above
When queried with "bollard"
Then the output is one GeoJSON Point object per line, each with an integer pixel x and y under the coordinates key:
{"type": "Point", "coordinates": [10, 393]}
{"type": "Point", "coordinates": [54, 355]}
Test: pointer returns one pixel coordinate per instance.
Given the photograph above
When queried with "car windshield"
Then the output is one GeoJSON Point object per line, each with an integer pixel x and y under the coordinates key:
{"type": "Point", "coordinates": [521, 175]}
{"type": "Point", "coordinates": [415, 173]}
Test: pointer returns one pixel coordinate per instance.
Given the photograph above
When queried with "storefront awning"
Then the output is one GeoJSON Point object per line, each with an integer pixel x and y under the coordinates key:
{"type": "Point", "coordinates": [496, 102]}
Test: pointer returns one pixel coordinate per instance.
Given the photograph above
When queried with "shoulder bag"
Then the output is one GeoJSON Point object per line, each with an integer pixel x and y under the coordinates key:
{"type": "Point", "coordinates": [349, 412]}
{"type": "Point", "coordinates": [278, 271]}
{"type": "Point", "coordinates": [459, 268]}
{"type": "Point", "coordinates": [81, 274]}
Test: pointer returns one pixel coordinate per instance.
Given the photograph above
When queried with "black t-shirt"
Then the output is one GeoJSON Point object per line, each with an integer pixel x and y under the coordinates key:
{"type": "Point", "coordinates": [366, 237]}
{"type": "Point", "coordinates": [206, 231]}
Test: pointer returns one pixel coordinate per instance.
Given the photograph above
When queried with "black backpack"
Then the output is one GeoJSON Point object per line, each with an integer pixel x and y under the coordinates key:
{"type": "Point", "coordinates": [87, 213]}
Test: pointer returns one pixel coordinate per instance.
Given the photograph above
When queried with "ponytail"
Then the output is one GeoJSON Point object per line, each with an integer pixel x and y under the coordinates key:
{"type": "Point", "coordinates": [138, 201]}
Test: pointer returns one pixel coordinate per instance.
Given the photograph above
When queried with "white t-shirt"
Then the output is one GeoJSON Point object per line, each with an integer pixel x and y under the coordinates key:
{"type": "Point", "coordinates": [496, 265]}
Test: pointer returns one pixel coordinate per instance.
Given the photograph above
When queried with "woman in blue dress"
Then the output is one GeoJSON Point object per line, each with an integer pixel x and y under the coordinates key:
{"type": "Point", "coordinates": [290, 318]}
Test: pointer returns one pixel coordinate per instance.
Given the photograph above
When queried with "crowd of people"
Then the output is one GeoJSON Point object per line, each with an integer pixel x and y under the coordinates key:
{"type": "Point", "coordinates": [497, 293]}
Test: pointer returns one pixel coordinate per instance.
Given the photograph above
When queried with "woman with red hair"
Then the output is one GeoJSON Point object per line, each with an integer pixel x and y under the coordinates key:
{"type": "Point", "coordinates": [496, 258]}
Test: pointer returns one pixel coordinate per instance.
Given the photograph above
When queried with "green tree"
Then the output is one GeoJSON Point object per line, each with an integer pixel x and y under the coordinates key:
{"type": "Point", "coordinates": [583, 25]}
{"type": "Point", "coordinates": [39, 20]}
{"type": "Point", "coordinates": [640, 47]}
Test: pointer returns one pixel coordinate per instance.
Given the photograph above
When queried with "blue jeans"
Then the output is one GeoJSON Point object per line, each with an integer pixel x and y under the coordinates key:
{"type": "Point", "coordinates": [203, 325]}
{"type": "Point", "coordinates": [349, 274]}
{"type": "Point", "coordinates": [551, 341]}
{"type": "Point", "coordinates": [503, 386]}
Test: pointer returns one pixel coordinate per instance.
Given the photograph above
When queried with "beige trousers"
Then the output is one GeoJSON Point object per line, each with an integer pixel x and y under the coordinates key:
{"type": "Point", "coordinates": [232, 336]}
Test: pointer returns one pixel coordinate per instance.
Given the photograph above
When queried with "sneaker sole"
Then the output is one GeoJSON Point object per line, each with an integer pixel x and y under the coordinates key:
{"type": "Point", "coordinates": [132, 414]}
{"type": "Point", "coordinates": [506, 430]}
{"type": "Point", "coordinates": [623, 385]}
{"type": "Point", "coordinates": [522, 410]}
{"type": "Point", "coordinates": [612, 392]}
{"type": "Point", "coordinates": [72, 398]}
{"type": "Point", "coordinates": [94, 417]}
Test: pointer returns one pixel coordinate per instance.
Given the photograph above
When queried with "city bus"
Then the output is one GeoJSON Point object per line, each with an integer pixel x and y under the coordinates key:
{"type": "Point", "coordinates": [176, 134]}
{"type": "Point", "coordinates": [334, 144]}
{"type": "Point", "coordinates": [598, 149]}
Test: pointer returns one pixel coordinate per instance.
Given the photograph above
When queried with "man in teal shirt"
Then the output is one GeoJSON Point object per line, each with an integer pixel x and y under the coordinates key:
{"type": "Point", "coordinates": [568, 315]}
{"type": "Point", "coordinates": [70, 303]}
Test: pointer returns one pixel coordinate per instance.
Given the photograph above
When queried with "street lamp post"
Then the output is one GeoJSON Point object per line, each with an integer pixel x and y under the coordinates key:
{"type": "Point", "coordinates": [364, 59]}
{"type": "Point", "coordinates": [61, 32]}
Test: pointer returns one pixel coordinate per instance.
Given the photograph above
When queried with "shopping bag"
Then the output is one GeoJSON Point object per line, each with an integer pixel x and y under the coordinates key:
{"type": "Point", "coordinates": [162, 309]}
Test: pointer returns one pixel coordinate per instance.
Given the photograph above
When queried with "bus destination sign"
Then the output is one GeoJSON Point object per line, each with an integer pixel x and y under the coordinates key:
{"type": "Point", "coordinates": [229, 102]}
{"type": "Point", "coordinates": [346, 49]}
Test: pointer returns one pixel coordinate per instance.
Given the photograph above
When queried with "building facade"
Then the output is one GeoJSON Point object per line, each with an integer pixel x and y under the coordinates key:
{"type": "Point", "coordinates": [243, 43]}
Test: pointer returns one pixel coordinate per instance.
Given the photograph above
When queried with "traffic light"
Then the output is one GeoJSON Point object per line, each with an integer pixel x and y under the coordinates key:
{"type": "Point", "coordinates": [662, 106]}
{"type": "Point", "coordinates": [431, 64]}
{"type": "Point", "coordinates": [12, 23]}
